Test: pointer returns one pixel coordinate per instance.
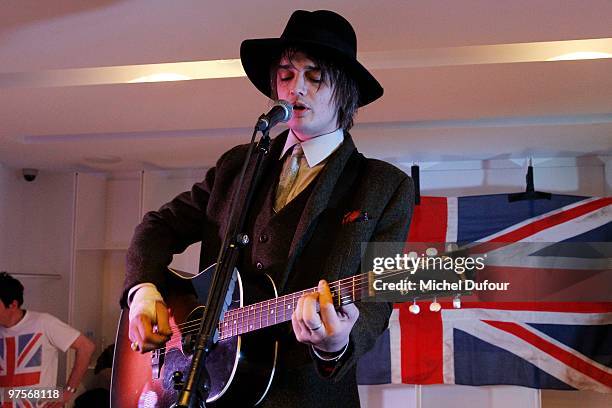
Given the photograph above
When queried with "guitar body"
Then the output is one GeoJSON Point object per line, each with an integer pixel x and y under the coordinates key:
{"type": "Point", "coordinates": [241, 367]}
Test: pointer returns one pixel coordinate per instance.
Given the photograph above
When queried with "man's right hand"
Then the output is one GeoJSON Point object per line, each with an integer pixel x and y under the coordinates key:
{"type": "Point", "coordinates": [149, 334]}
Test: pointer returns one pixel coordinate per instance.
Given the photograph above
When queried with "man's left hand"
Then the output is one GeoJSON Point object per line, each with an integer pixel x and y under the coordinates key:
{"type": "Point", "coordinates": [327, 329]}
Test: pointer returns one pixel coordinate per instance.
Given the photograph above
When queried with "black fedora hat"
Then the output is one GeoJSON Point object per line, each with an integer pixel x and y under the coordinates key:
{"type": "Point", "coordinates": [323, 32]}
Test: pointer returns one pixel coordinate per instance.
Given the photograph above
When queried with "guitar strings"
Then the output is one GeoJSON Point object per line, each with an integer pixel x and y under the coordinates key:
{"type": "Point", "coordinates": [355, 284]}
{"type": "Point", "coordinates": [349, 281]}
{"type": "Point", "coordinates": [177, 343]}
{"type": "Point", "coordinates": [254, 313]}
{"type": "Point", "coordinates": [342, 284]}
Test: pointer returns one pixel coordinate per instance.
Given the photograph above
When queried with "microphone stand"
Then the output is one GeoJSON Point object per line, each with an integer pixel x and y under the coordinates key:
{"type": "Point", "coordinates": [192, 395]}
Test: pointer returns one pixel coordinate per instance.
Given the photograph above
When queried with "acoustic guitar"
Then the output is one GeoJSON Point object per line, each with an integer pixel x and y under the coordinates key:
{"type": "Point", "coordinates": [242, 361]}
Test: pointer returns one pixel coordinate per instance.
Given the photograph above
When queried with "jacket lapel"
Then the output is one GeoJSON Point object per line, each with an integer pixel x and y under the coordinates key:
{"type": "Point", "coordinates": [319, 199]}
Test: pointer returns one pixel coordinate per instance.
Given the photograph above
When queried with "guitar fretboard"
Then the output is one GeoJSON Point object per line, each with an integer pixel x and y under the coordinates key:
{"type": "Point", "coordinates": [279, 310]}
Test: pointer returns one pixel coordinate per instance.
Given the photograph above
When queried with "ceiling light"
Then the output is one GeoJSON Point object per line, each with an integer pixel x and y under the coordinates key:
{"type": "Point", "coordinates": [183, 71]}
{"type": "Point", "coordinates": [581, 55]}
{"type": "Point", "coordinates": [161, 77]}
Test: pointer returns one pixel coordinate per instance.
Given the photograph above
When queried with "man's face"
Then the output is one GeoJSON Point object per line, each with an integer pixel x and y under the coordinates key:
{"type": "Point", "coordinates": [4, 314]}
{"type": "Point", "coordinates": [298, 81]}
{"type": "Point", "coordinates": [7, 313]}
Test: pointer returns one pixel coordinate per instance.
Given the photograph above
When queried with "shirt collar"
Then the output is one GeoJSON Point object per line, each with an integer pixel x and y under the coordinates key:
{"type": "Point", "coordinates": [316, 149]}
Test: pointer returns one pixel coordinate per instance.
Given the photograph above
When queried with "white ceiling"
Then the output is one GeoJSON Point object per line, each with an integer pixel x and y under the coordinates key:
{"type": "Point", "coordinates": [448, 96]}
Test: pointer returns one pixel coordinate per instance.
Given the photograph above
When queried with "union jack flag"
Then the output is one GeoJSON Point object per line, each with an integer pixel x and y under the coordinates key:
{"type": "Point", "coordinates": [17, 403]}
{"type": "Point", "coordinates": [20, 365]}
{"type": "Point", "coordinates": [554, 345]}
{"type": "Point", "coordinates": [20, 360]}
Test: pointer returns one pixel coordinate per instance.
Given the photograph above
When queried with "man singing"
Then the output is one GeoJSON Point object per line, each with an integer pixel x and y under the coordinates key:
{"type": "Point", "coordinates": [320, 199]}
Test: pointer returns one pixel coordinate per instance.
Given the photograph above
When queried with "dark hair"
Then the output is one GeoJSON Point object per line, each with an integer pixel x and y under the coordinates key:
{"type": "Point", "coordinates": [10, 289]}
{"type": "Point", "coordinates": [105, 359]}
{"type": "Point", "coordinates": [345, 92]}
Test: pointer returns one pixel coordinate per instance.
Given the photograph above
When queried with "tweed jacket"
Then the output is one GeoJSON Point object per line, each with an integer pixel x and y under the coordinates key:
{"type": "Point", "coordinates": [323, 246]}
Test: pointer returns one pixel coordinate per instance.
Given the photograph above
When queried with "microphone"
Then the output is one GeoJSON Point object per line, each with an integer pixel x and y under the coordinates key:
{"type": "Point", "coordinates": [282, 111]}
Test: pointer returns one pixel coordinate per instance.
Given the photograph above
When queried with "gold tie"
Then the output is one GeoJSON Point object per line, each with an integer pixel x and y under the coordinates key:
{"type": "Point", "coordinates": [291, 167]}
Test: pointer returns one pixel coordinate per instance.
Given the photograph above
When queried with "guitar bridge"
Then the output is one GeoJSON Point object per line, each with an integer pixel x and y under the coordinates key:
{"type": "Point", "coordinates": [157, 361]}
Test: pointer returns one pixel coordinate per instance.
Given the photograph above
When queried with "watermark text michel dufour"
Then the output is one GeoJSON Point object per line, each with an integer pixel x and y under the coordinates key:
{"type": "Point", "coordinates": [432, 285]}
{"type": "Point", "coordinates": [411, 263]}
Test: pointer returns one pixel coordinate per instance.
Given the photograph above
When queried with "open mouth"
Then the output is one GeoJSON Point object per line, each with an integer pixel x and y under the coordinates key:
{"type": "Point", "coordinates": [298, 107]}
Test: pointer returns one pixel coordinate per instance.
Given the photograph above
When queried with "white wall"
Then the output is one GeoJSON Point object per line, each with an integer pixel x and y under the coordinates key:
{"type": "Point", "coordinates": [574, 176]}
{"type": "Point", "coordinates": [608, 174]}
{"type": "Point", "coordinates": [107, 210]}
{"type": "Point", "coordinates": [35, 238]}
{"type": "Point", "coordinates": [36, 233]}
{"type": "Point", "coordinates": [5, 197]}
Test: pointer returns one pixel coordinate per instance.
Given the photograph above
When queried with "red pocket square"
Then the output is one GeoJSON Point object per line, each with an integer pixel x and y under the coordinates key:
{"type": "Point", "coordinates": [354, 216]}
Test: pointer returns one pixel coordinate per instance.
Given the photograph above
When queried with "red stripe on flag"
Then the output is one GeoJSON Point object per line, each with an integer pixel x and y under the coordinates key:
{"type": "Point", "coordinates": [29, 347]}
{"type": "Point", "coordinates": [11, 351]}
{"type": "Point", "coordinates": [20, 380]}
{"type": "Point", "coordinates": [421, 343]}
{"type": "Point", "coordinates": [429, 220]}
{"type": "Point", "coordinates": [555, 351]}
{"type": "Point", "coordinates": [551, 221]}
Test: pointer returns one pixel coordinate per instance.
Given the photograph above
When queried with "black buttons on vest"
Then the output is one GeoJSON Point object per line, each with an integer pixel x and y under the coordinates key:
{"type": "Point", "coordinates": [263, 237]}
{"type": "Point", "coordinates": [259, 266]}
{"type": "Point", "coordinates": [243, 240]}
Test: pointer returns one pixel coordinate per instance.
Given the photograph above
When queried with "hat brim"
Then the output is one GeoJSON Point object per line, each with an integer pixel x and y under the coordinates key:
{"type": "Point", "coordinates": [257, 55]}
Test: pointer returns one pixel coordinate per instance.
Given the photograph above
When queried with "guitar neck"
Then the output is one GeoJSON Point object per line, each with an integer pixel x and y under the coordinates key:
{"type": "Point", "coordinates": [279, 310]}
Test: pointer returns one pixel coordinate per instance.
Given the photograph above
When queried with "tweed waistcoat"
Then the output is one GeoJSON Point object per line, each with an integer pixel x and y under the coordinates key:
{"type": "Point", "coordinates": [271, 233]}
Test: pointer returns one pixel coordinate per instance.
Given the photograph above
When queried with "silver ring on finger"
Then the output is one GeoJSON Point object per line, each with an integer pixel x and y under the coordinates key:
{"type": "Point", "coordinates": [134, 346]}
{"type": "Point", "coordinates": [316, 328]}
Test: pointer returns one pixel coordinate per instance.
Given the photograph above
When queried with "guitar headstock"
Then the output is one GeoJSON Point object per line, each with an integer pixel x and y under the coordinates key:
{"type": "Point", "coordinates": [426, 271]}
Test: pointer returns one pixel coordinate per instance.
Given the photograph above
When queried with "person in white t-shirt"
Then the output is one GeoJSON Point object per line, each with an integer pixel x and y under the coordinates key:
{"type": "Point", "coordinates": [29, 344]}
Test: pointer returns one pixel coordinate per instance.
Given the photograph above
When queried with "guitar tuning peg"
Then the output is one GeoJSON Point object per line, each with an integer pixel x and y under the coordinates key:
{"type": "Point", "coordinates": [457, 302]}
{"type": "Point", "coordinates": [414, 308]}
{"type": "Point", "coordinates": [435, 306]}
